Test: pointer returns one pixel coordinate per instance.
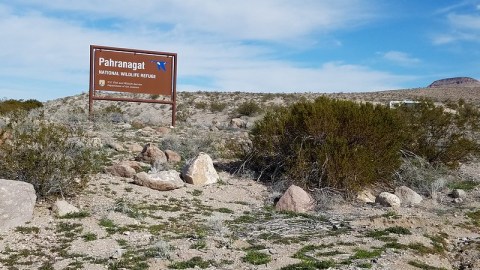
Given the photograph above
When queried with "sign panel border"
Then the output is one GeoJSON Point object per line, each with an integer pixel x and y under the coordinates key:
{"type": "Point", "coordinates": [93, 92]}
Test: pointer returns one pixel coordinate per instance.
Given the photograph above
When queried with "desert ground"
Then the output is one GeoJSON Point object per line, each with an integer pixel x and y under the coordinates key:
{"type": "Point", "coordinates": [232, 224]}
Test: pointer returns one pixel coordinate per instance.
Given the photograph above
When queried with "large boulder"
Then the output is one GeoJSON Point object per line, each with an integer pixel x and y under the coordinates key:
{"type": "Point", "coordinates": [407, 196]}
{"type": "Point", "coordinates": [388, 199]}
{"type": "Point", "coordinates": [17, 200]}
{"type": "Point", "coordinates": [295, 199]}
{"type": "Point", "coordinates": [163, 181]}
{"type": "Point", "coordinates": [152, 154]}
{"type": "Point", "coordinates": [200, 171]}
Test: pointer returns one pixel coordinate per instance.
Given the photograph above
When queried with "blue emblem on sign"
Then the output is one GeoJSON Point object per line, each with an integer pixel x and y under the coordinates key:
{"type": "Point", "coordinates": [160, 65]}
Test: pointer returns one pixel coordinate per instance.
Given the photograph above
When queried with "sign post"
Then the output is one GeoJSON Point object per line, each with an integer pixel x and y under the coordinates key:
{"type": "Point", "coordinates": [132, 71]}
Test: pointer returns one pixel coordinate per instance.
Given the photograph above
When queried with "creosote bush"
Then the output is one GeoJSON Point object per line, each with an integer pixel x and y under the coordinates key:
{"type": "Point", "coordinates": [54, 158]}
{"type": "Point", "coordinates": [328, 143]}
{"type": "Point", "coordinates": [441, 136]}
{"type": "Point", "coordinates": [347, 146]}
{"type": "Point", "coordinates": [249, 108]}
{"type": "Point", "coordinates": [10, 105]}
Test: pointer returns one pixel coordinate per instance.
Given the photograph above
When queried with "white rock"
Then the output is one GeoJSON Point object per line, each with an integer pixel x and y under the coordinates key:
{"type": "Point", "coordinates": [200, 171]}
{"type": "Point", "coordinates": [163, 181]}
{"type": "Point", "coordinates": [459, 193]}
{"type": "Point", "coordinates": [366, 196]}
{"type": "Point", "coordinates": [62, 208]}
{"type": "Point", "coordinates": [238, 123]}
{"type": "Point", "coordinates": [17, 201]}
{"type": "Point", "coordinates": [388, 199]}
{"type": "Point", "coordinates": [407, 196]}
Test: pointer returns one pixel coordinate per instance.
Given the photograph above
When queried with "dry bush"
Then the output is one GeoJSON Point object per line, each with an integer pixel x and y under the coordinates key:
{"type": "Point", "coordinates": [422, 176]}
{"type": "Point", "coordinates": [54, 158]}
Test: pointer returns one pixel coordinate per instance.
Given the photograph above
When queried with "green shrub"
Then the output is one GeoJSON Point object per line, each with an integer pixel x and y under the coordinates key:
{"type": "Point", "coordinates": [249, 108]}
{"type": "Point", "coordinates": [216, 106]}
{"type": "Point", "coordinates": [201, 105]}
{"type": "Point", "coordinates": [441, 136]}
{"type": "Point", "coordinates": [328, 143]}
{"type": "Point", "coordinates": [10, 105]}
{"type": "Point", "coordinates": [54, 158]}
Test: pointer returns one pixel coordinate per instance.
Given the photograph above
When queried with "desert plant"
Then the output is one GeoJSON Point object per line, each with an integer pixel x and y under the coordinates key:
{"type": "Point", "coordinates": [10, 105]}
{"type": "Point", "coordinates": [418, 174]}
{"type": "Point", "coordinates": [249, 108]}
{"type": "Point", "coordinates": [441, 136]}
{"type": "Point", "coordinates": [216, 106]}
{"type": "Point", "coordinates": [327, 143]}
{"type": "Point", "coordinates": [54, 158]}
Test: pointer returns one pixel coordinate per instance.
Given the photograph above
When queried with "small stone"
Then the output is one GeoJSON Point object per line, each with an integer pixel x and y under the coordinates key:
{"type": "Point", "coordinates": [62, 208]}
{"type": "Point", "coordinates": [295, 199]}
{"type": "Point", "coordinates": [408, 196]}
{"type": "Point", "coordinates": [388, 199]}
{"type": "Point", "coordinates": [238, 123]}
{"type": "Point", "coordinates": [458, 200]}
{"type": "Point", "coordinates": [459, 193]}
{"type": "Point", "coordinates": [172, 156]}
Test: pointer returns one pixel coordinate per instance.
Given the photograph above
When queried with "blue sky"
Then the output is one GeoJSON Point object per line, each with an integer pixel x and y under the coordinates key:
{"type": "Point", "coordinates": [248, 45]}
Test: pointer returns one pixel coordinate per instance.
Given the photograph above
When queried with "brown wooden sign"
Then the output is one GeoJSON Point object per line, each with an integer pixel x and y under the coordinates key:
{"type": "Point", "coordinates": [132, 71]}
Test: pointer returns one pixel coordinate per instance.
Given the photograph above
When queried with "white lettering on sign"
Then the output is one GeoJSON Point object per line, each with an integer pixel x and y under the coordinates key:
{"type": "Point", "coordinates": [121, 64]}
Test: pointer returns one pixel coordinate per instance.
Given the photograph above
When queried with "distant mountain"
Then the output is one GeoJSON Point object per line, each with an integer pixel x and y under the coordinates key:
{"type": "Point", "coordinates": [457, 81]}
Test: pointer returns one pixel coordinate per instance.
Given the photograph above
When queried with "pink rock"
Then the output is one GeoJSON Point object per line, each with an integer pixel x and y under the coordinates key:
{"type": "Point", "coordinates": [295, 199]}
{"type": "Point", "coordinates": [173, 156]}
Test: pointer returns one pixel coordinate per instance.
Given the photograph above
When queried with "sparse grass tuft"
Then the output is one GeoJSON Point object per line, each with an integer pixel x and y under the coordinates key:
{"type": "Point", "coordinates": [89, 237]}
{"type": "Point", "coordinates": [365, 254]}
{"type": "Point", "coordinates": [465, 185]}
{"type": "Point", "coordinates": [310, 265]}
{"type": "Point", "coordinates": [475, 217]}
{"type": "Point", "coordinates": [195, 262]}
{"type": "Point", "coordinates": [80, 214]}
{"type": "Point", "coordinates": [27, 230]}
{"type": "Point", "coordinates": [425, 266]}
{"type": "Point", "coordinates": [256, 257]}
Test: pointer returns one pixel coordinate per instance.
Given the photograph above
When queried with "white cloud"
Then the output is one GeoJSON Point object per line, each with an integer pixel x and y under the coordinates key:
{"type": "Point", "coordinates": [248, 19]}
{"type": "Point", "coordinates": [461, 26]}
{"type": "Point", "coordinates": [47, 56]}
{"type": "Point", "coordinates": [400, 58]}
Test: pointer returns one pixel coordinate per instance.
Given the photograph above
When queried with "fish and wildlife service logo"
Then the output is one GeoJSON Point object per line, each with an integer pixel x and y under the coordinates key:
{"type": "Point", "coordinates": [160, 64]}
{"type": "Point", "coordinates": [101, 83]}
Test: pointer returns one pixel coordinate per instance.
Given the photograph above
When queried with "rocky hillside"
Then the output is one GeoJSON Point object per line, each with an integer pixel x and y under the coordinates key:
{"type": "Point", "coordinates": [455, 82]}
{"type": "Point", "coordinates": [139, 214]}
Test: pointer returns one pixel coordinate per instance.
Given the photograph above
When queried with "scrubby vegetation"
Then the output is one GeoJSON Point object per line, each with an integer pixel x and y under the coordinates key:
{"type": "Point", "coordinates": [441, 136]}
{"type": "Point", "coordinates": [10, 105]}
{"type": "Point", "coordinates": [328, 143]}
{"type": "Point", "coordinates": [346, 145]}
{"type": "Point", "coordinates": [54, 158]}
{"type": "Point", "coordinates": [249, 108]}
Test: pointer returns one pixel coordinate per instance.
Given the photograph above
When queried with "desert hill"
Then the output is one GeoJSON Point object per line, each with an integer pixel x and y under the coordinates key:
{"type": "Point", "coordinates": [232, 224]}
{"type": "Point", "coordinates": [455, 82]}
